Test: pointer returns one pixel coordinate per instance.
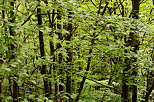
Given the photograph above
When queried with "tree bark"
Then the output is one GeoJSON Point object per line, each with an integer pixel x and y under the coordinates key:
{"type": "Point", "coordinates": [12, 52]}
{"type": "Point", "coordinates": [1, 61]}
{"type": "Point", "coordinates": [89, 58]}
{"type": "Point", "coordinates": [42, 52]}
{"type": "Point", "coordinates": [133, 42]}
{"type": "Point", "coordinates": [51, 43]}
{"type": "Point", "coordinates": [150, 87]}
{"type": "Point", "coordinates": [70, 57]}
{"type": "Point", "coordinates": [135, 10]}
{"type": "Point", "coordinates": [125, 87]}
{"type": "Point", "coordinates": [150, 82]}
{"type": "Point", "coordinates": [150, 75]}
{"type": "Point", "coordinates": [60, 57]}
{"type": "Point", "coordinates": [1, 80]}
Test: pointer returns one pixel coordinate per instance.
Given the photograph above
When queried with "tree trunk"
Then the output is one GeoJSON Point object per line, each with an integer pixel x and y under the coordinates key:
{"type": "Point", "coordinates": [133, 42]}
{"type": "Point", "coordinates": [42, 52]}
{"type": "Point", "coordinates": [1, 61]}
{"type": "Point", "coordinates": [12, 53]}
{"type": "Point", "coordinates": [150, 75]}
{"type": "Point", "coordinates": [125, 87]}
{"type": "Point", "coordinates": [1, 80]}
{"type": "Point", "coordinates": [150, 82]}
{"type": "Point", "coordinates": [149, 90]}
{"type": "Point", "coordinates": [135, 12]}
{"type": "Point", "coordinates": [60, 57]}
{"type": "Point", "coordinates": [89, 58]}
{"type": "Point", "coordinates": [51, 43]}
{"type": "Point", "coordinates": [69, 58]}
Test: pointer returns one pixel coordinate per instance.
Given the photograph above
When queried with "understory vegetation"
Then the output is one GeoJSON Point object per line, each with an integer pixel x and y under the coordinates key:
{"type": "Point", "coordinates": [76, 50]}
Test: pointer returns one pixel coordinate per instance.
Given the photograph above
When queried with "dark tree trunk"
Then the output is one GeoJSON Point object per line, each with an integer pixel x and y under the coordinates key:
{"type": "Point", "coordinates": [150, 87]}
{"type": "Point", "coordinates": [135, 8]}
{"type": "Point", "coordinates": [84, 78]}
{"type": "Point", "coordinates": [51, 43]}
{"type": "Point", "coordinates": [133, 42]}
{"type": "Point", "coordinates": [125, 87]}
{"type": "Point", "coordinates": [1, 80]}
{"type": "Point", "coordinates": [69, 58]}
{"type": "Point", "coordinates": [150, 75]}
{"type": "Point", "coordinates": [52, 48]}
{"type": "Point", "coordinates": [12, 53]}
{"type": "Point", "coordinates": [135, 15]}
{"type": "Point", "coordinates": [60, 57]}
{"type": "Point", "coordinates": [1, 61]}
{"type": "Point", "coordinates": [42, 52]}
{"type": "Point", "coordinates": [89, 58]}
{"type": "Point", "coordinates": [150, 82]}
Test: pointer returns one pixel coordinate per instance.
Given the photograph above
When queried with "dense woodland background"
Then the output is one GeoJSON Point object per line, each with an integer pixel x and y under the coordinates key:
{"type": "Point", "coordinates": [76, 50]}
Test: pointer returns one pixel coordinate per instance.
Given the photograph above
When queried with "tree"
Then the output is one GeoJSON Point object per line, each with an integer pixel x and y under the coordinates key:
{"type": "Point", "coordinates": [76, 50]}
{"type": "Point", "coordinates": [42, 52]}
{"type": "Point", "coordinates": [134, 43]}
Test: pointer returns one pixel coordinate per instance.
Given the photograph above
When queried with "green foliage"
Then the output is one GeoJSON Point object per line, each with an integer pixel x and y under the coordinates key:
{"type": "Point", "coordinates": [107, 57]}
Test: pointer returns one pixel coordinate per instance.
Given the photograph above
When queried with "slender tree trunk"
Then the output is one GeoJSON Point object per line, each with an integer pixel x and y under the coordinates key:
{"type": "Point", "coordinates": [69, 58]}
{"type": "Point", "coordinates": [84, 78]}
{"type": "Point", "coordinates": [89, 58]}
{"type": "Point", "coordinates": [42, 52]}
{"type": "Point", "coordinates": [150, 82]}
{"type": "Point", "coordinates": [149, 89]}
{"type": "Point", "coordinates": [1, 61]}
{"type": "Point", "coordinates": [150, 75]}
{"type": "Point", "coordinates": [133, 42]}
{"type": "Point", "coordinates": [60, 57]}
{"type": "Point", "coordinates": [1, 80]}
{"type": "Point", "coordinates": [122, 8]}
{"type": "Point", "coordinates": [12, 52]}
{"type": "Point", "coordinates": [52, 48]}
{"type": "Point", "coordinates": [51, 43]}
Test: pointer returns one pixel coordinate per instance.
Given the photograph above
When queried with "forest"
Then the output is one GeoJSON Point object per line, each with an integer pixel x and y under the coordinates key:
{"type": "Point", "coordinates": [76, 50]}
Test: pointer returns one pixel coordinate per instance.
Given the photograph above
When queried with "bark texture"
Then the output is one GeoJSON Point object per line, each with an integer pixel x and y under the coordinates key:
{"type": "Point", "coordinates": [131, 41]}
{"type": "Point", "coordinates": [42, 52]}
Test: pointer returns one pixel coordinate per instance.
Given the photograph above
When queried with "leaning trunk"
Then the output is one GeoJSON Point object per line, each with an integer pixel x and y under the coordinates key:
{"type": "Point", "coordinates": [89, 58]}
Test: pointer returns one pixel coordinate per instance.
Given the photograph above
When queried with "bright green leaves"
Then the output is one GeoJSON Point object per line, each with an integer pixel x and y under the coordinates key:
{"type": "Point", "coordinates": [107, 58]}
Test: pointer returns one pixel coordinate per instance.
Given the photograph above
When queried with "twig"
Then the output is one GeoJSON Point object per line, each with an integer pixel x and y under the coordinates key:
{"type": "Point", "coordinates": [29, 17]}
